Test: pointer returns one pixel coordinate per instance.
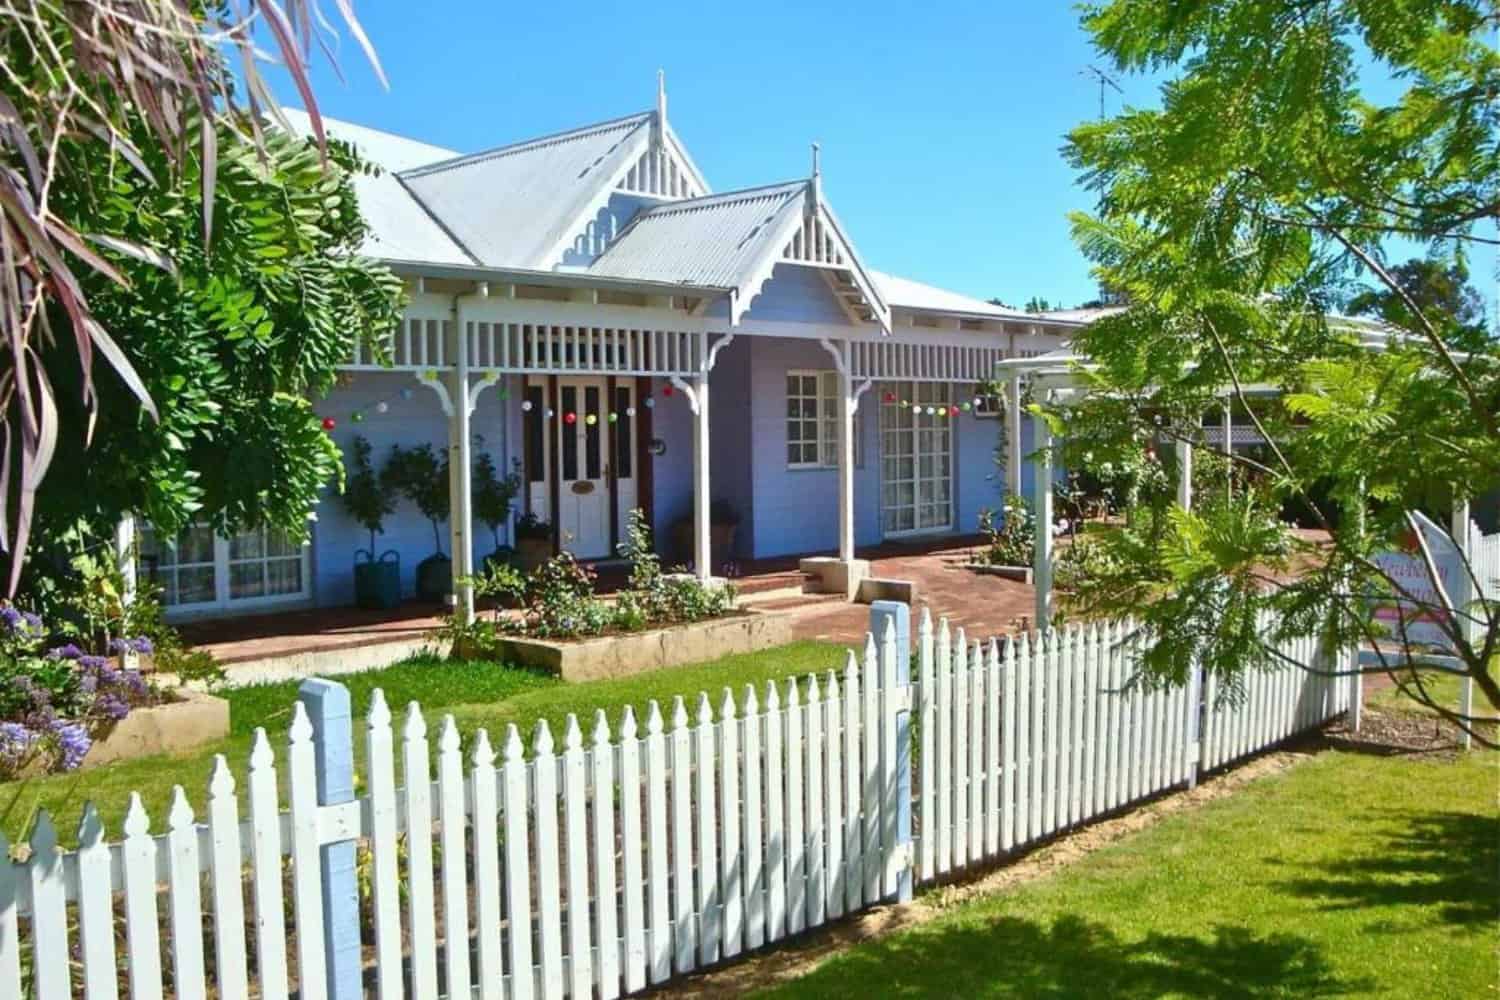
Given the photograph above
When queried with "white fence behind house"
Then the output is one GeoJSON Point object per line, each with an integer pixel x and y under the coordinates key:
{"type": "Point", "coordinates": [620, 860]}
{"type": "Point", "coordinates": [1485, 555]}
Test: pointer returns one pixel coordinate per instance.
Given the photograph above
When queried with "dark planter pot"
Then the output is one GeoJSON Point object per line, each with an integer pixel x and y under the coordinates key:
{"type": "Point", "coordinates": [720, 541]}
{"type": "Point", "coordinates": [377, 582]}
{"type": "Point", "coordinates": [503, 556]}
{"type": "Point", "coordinates": [434, 577]}
{"type": "Point", "coordinates": [532, 552]}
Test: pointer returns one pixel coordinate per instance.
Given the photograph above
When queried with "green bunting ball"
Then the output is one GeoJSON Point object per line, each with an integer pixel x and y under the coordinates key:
{"type": "Point", "coordinates": [356, 417]}
{"type": "Point", "coordinates": [613, 417]}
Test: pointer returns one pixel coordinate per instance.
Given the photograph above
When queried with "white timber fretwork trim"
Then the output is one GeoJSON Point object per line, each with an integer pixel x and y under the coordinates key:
{"type": "Point", "coordinates": [923, 362]}
{"type": "Point", "coordinates": [819, 241]}
{"type": "Point", "coordinates": [584, 348]}
{"type": "Point", "coordinates": [433, 380]}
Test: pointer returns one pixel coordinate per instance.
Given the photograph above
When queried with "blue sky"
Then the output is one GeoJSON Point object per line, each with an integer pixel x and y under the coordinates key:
{"type": "Point", "coordinates": [940, 125]}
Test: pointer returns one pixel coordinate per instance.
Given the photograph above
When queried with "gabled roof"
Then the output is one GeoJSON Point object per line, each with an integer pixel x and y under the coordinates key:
{"type": "Point", "coordinates": [518, 205]}
{"type": "Point", "coordinates": [400, 228]}
{"type": "Point", "coordinates": [734, 241]}
{"type": "Point", "coordinates": [718, 240]}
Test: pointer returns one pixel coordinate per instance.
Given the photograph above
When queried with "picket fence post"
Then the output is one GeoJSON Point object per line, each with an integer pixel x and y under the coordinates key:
{"type": "Point", "coordinates": [332, 716]}
{"type": "Point", "coordinates": [891, 621]}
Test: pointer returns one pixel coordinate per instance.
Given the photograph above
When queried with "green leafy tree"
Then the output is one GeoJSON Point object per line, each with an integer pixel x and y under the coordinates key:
{"type": "Point", "coordinates": [493, 494]}
{"type": "Point", "coordinates": [234, 344]}
{"type": "Point", "coordinates": [1439, 288]}
{"type": "Point", "coordinates": [1232, 219]}
{"type": "Point", "coordinates": [107, 101]}
{"type": "Point", "coordinates": [367, 495]}
{"type": "Point", "coordinates": [420, 473]}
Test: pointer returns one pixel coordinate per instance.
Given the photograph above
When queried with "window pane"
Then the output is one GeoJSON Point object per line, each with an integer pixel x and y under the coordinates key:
{"type": "Point", "coordinates": [247, 545]}
{"type": "Point", "coordinates": [196, 545]}
{"type": "Point", "coordinates": [195, 586]}
{"type": "Point", "coordinates": [591, 431]}
{"type": "Point", "coordinates": [624, 435]}
{"type": "Point", "coordinates": [569, 403]}
{"type": "Point", "coordinates": [284, 576]}
{"type": "Point", "coordinates": [534, 442]}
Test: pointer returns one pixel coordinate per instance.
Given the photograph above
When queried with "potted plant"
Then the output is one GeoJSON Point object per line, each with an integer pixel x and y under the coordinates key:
{"type": "Point", "coordinates": [723, 527]}
{"type": "Point", "coordinates": [368, 499]}
{"type": "Point", "coordinates": [492, 497]}
{"type": "Point", "coordinates": [420, 474]}
{"type": "Point", "coordinates": [533, 542]}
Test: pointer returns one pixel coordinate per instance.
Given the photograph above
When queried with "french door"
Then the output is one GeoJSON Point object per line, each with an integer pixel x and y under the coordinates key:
{"type": "Point", "coordinates": [582, 467]}
{"type": "Point", "coordinates": [202, 571]}
{"type": "Point", "coordinates": [916, 458]}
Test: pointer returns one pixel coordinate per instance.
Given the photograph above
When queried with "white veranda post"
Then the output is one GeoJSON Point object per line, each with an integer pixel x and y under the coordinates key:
{"type": "Point", "coordinates": [1013, 434]}
{"type": "Point", "coordinates": [461, 516]}
{"type": "Point", "coordinates": [846, 410]}
{"type": "Point", "coordinates": [1184, 475]}
{"type": "Point", "coordinates": [1042, 556]}
{"type": "Point", "coordinates": [702, 547]}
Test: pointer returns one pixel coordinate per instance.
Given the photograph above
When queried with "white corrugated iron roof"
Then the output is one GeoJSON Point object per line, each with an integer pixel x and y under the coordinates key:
{"type": "Point", "coordinates": [907, 294]}
{"type": "Point", "coordinates": [512, 206]}
{"type": "Point", "coordinates": [712, 241]}
{"type": "Point", "coordinates": [400, 228]}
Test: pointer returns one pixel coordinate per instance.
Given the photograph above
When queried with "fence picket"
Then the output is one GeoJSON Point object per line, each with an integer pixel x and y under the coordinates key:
{"type": "Point", "coordinates": [833, 782]}
{"type": "Point", "coordinates": [483, 792]}
{"type": "Point", "coordinates": [49, 913]}
{"type": "Point", "coordinates": [926, 716]}
{"type": "Point", "coordinates": [1025, 739]}
{"type": "Point", "coordinates": [185, 900]}
{"type": "Point", "coordinates": [754, 824]}
{"type": "Point", "coordinates": [385, 887]}
{"type": "Point", "coordinates": [1093, 725]}
{"type": "Point", "coordinates": [992, 763]}
{"type": "Point", "coordinates": [977, 697]}
{"type": "Point", "coordinates": [1008, 748]}
{"type": "Point", "coordinates": [1063, 774]}
{"type": "Point", "coordinates": [943, 790]}
{"type": "Point", "coordinates": [10, 931]}
{"type": "Point", "coordinates": [96, 931]}
{"type": "Point", "coordinates": [548, 885]}
{"type": "Point", "coordinates": [455, 881]}
{"type": "Point", "coordinates": [817, 889]}
{"type": "Point", "coordinates": [307, 861]}
{"type": "Point", "coordinates": [796, 833]}
{"type": "Point", "coordinates": [731, 853]}
{"type": "Point", "coordinates": [775, 821]}
{"type": "Point", "coordinates": [853, 797]}
{"type": "Point", "coordinates": [1077, 750]}
{"type": "Point", "coordinates": [265, 862]}
{"type": "Point", "coordinates": [708, 834]}
{"type": "Point", "coordinates": [684, 922]}
{"type": "Point", "coordinates": [1051, 643]}
{"type": "Point", "coordinates": [514, 804]}
{"type": "Point", "coordinates": [576, 835]}
{"type": "Point", "coordinates": [963, 683]}
{"type": "Point", "coordinates": [890, 759]}
{"type": "Point", "coordinates": [869, 727]}
{"type": "Point", "coordinates": [420, 901]}
{"type": "Point", "coordinates": [606, 896]}
{"type": "Point", "coordinates": [631, 845]}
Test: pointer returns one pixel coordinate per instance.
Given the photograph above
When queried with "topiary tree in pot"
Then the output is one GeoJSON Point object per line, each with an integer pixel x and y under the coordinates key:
{"type": "Point", "coordinates": [368, 498]}
{"type": "Point", "coordinates": [420, 473]}
{"type": "Point", "coordinates": [492, 498]}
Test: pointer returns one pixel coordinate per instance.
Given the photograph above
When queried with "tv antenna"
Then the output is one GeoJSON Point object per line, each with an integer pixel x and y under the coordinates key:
{"type": "Point", "coordinates": [1105, 80]}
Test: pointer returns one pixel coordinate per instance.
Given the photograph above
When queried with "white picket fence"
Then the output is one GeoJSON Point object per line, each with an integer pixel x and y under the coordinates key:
{"type": "Point", "coordinates": [1484, 553]}
{"type": "Point", "coordinates": [626, 860]}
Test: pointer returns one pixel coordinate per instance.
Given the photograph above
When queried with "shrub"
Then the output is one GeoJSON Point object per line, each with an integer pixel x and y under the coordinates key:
{"type": "Point", "coordinates": [368, 497]}
{"type": "Point", "coordinates": [493, 494]}
{"type": "Point", "coordinates": [420, 474]}
{"type": "Point", "coordinates": [1012, 541]}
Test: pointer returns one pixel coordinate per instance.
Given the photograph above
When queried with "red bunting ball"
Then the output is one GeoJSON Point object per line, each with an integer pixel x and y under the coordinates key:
{"type": "Point", "coordinates": [666, 390]}
{"type": "Point", "coordinates": [329, 423]}
{"type": "Point", "coordinates": [570, 418]}
{"type": "Point", "coordinates": [890, 397]}
{"type": "Point", "coordinates": [952, 411]}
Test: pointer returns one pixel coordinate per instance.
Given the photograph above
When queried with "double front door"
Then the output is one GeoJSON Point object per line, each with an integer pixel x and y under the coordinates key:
{"type": "Point", "coordinates": [586, 441]}
{"type": "Point", "coordinates": [916, 458]}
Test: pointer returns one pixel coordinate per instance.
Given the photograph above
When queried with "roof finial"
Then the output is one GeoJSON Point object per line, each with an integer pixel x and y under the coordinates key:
{"type": "Point", "coordinates": [661, 97]}
{"type": "Point", "coordinates": [817, 175]}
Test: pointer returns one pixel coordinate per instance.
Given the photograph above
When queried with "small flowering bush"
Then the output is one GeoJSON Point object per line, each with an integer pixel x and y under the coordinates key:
{"type": "Point", "coordinates": [55, 701]}
{"type": "Point", "coordinates": [1011, 532]}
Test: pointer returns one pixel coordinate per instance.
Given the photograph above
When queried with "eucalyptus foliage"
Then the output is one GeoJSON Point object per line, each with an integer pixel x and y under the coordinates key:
{"type": "Point", "coordinates": [1269, 186]}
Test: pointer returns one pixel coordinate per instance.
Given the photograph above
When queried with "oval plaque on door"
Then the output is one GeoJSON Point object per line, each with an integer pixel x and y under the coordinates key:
{"type": "Point", "coordinates": [583, 487]}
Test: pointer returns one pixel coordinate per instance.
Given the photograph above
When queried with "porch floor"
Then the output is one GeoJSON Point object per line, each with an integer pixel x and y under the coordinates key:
{"type": "Point", "coordinates": [983, 605]}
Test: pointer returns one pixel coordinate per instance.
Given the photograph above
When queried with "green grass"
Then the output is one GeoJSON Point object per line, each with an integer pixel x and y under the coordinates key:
{"type": "Point", "coordinates": [478, 694]}
{"type": "Point", "coordinates": [1349, 875]}
{"type": "Point", "coordinates": [1444, 689]}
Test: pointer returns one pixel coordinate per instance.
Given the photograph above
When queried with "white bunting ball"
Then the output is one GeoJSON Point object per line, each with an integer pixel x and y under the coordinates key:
{"type": "Point", "coordinates": [526, 405]}
{"type": "Point", "coordinates": [650, 403]}
{"type": "Point", "coordinates": [630, 411]}
{"type": "Point", "coordinates": [382, 406]}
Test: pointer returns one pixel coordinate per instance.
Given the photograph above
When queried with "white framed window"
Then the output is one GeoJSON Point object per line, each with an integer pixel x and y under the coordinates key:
{"type": "Point", "coordinates": [201, 571]}
{"type": "Point", "coordinates": [916, 453]}
{"type": "Point", "coordinates": [812, 421]}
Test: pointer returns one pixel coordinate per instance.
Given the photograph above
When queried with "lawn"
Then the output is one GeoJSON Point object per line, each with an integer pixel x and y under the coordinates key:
{"type": "Point", "coordinates": [1349, 874]}
{"type": "Point", "coordinates": [477, 694]}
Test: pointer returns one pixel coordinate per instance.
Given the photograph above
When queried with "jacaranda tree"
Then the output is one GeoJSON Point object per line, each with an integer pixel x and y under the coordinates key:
{"type": "Point", "coordinates": [1296, 147]}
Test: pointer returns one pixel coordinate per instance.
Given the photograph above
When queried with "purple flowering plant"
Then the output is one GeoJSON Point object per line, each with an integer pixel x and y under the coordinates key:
{"type": "Point", "coordinates": [55, 700]}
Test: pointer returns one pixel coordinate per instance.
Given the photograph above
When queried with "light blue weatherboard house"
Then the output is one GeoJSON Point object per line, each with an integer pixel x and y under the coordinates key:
{"type": "Point", "coordinates": [584, 305]}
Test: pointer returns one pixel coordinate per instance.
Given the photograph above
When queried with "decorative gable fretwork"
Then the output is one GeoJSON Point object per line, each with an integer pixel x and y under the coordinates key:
{"type": "Point", "coordinates": [922, 362]}
{"type": "Point", "coordinates": [657, 172]}
{"type": "Point", "coordinates": [814, 244]}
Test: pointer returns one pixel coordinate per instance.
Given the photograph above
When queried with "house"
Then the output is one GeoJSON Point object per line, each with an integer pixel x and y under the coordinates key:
{"type": "Point", "coordinates": [585, 309]}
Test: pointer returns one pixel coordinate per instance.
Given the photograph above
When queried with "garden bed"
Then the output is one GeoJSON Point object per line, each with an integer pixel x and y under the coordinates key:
{"type": "Point", "coordinates": [189, 721]}
{"type": "Point", "coordinates": [623, 654]}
